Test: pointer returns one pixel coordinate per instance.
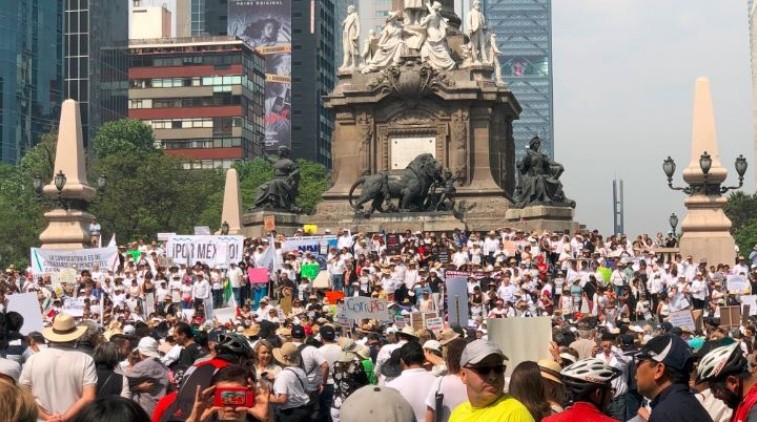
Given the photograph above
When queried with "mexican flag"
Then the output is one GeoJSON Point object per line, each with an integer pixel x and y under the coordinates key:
{"type": "Point", "coordinates": [227, 293]}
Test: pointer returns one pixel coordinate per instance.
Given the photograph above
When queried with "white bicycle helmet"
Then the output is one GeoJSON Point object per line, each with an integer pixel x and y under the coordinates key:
{"type": "Point", "coordinates": [721, 362]}
{"type": "Point", "coordinates": [587, 374]}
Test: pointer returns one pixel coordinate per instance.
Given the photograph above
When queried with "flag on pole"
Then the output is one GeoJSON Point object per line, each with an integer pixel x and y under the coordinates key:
{"type": "Point", "coordinates": [227, 292]}
{"type": "Point", "coordinates": [112, 242]}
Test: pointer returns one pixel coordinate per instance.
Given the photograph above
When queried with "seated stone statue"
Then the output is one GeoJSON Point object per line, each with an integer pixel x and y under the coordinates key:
{"type": "Point", "coordinates": [539, 184]}
{"type": "Point", "coordinates": [281, 192]}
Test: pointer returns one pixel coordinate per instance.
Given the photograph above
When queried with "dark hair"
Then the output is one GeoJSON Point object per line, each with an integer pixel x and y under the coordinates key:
{"type": "Point", "coordinates": [454, 353]}
{"type": "Point", "coordinates": [555, 391]}
{"type": "Point", "coordinates": [112, 409]}
{"type": "Point", "coordinates": [107, 355]}
{"type": "Point", "coordinates": [14, 321]}
{"type": "Point", "coordinates": [183, 328]}
{"type": "Point", "coordinates": [411, 353]}
{"type": "Point", "coordinates": [233, 373]}
{"type": "Point", "coordinates": [526, 386]}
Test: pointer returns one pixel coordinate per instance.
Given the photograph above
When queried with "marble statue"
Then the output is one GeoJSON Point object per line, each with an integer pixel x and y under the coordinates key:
{"type": "Point", "coordinates": [367, 53]}
{"type": "Point", "coordinates": [414, 10]}
{"type": "Point", "coordinates": [494, 56]}
{"type": "Point", "coordinates": [391, 44]}
{"type": "Point", "coordinates": [467, 54]}
{"type": "Point", "coordinates": [539, 179]}
{"type": "Point", "coordinates": [476, 22]}
{"type": "Point", "coordinates": [350, 39]}
{"type": "Point", "coordinates": [434, 48]}
{"type": "Point", "coordinates": [281, 192]}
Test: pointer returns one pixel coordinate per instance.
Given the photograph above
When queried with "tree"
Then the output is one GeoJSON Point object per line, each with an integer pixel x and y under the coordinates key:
{"type": "Point", "coordinates": [125, 136]}
{"type": "Point", "coordinates": [314, 182]}
{"type": "Point", "coordinates": [39, 161]}
{"type": "Point", "coordinates": [741, 209]}
{"type": "Point", "coordinates": [20, 215]}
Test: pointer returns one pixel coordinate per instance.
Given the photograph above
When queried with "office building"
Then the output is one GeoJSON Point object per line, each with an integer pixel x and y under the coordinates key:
{"type": "Point", "coordinates": [202, 97]}
{"type": "Point", "coordinates": [31, 73]}
{"type": "Point", "coordinates": [149, 22]}
{"type": "Point", "coordinates": [96, 60]}
{"type": "Point", "coordinates": [198, 18]}
{"type": "Point", "coordinates": [753, 56]}
{"type": "Point", "coordinates": [524, 36]}
{"type": "Point", "coordinates": [313, 54]}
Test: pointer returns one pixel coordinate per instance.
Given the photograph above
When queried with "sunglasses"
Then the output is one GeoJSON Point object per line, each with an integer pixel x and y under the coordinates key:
{"type": "Point", "coordinates": [484, 371]}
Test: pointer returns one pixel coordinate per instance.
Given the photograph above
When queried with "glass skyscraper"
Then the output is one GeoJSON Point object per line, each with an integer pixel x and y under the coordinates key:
{"type": "Point", "coordinates": [96, 60]}
{"type": "Point", "coordinates": [524, 36]}
{"type": "Point", "coordinates": [31, 73]}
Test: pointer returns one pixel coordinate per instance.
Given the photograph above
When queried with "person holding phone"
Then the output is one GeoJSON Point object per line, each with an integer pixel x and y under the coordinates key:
{"type": "Point", "coordinates": [232, 396]}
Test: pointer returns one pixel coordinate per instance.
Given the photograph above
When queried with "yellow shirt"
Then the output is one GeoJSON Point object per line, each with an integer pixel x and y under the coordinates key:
{"type": "Point", "coordinates": [506, 409]}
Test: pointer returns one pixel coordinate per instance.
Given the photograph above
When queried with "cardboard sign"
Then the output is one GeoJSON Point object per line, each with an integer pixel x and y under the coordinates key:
{"type": "Point", "coordinates": [730, 316]}
{"type": "Point", "coordinates": [310, 271]}
{"type": "Point", "coordinates": [457, 297]}
{"type": "Point", "coordinates": [399, 322]}
{"type": "Point", "coordinates": [418, 320]}
{"type": "Point", "coordinates": [357, 308]}
{"type": "Point", "coordinates": [74, 306]}
{"type": "Point", "coordinates": [533, 334]}
{"type": "Point", "coordinates": [258, 275]}
{"type": "Point", "coordinates": [163, 237]}
{"type": "Point", "coordinates": [321, 281]}
{"type": "Point", "coordinates": [435, 324]}
{"type": "Point", "coordinates": [737, 284]}
{"type": "Point", "coordinates": [393, 246]}
{"type": "Point", "coordinates": [27, 305]}
{"type": "Point", "coordinates": [269, 223]}
{"type": "Point", "coordinates": [310, 229]}
{"type": "Point", "coordinates": [68, 276]}
{"type": "Point", "coordinates": [202, 231]}
{"type": "Point", "coordinates": [751, 302]}
{"type": "Point", "coordinates": [682, 319]}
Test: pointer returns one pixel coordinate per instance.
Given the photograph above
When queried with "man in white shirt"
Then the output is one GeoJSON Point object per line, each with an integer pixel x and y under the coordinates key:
{"type": "Point", "coordinates": [345, 240]}
{"type": "Point", "coordinates": [415, 382]}
{"type": "Point", "coordinates": [491, 244]}
{"type": "Point", "coordinates": [460, 257]}
{"type": "Point", "coordinates": [201, 290]}
{"type": "Point", "coordinates": [613, 356]}
{"type": "Point", "coordinates": [618, 279]}
{"type": "Point", "coordinates": [235, 275]}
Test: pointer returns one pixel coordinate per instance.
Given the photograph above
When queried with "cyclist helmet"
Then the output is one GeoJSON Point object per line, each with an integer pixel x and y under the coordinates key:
{"type": "Point", "coordinates": [721, 362]}
{"type": "Point", "coordinates": [235, 344]}
{"type": "Point", "coordinates": [587, 374]}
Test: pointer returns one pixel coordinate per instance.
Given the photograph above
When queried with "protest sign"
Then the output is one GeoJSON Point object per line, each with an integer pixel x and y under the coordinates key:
{"type": "Point", "coordinates": [751, 301]}
{"type": "Point", "coordinates": [393, 246]}
{"type": "Point", "coordinates": [163, 237]}
{"type": "Point", "coordinates": [67, 276]}
{"type": "Point", "coordinates": [310, 229]}
{"type": "Point", "coordinates": [202, 230]}
{"type": "Point", "coordinates": [730, 316]}
{"type": "Point", "coordinates": [321, 281]}
{"type": "Point", "coordinates": [53, 260]}
{"type": "Point", "coordinates": [457, 297]}
{"type": "Point", "coordinates": [399, 322]}
{"type": "Point", "coordinates": [418, 319]}
{"type": "Point", "coordinates": [269, 223]}
{"type": "Point", "coordinates": [533, 334]}
{"type": "Point", "coordinates": [435, 324]}
{"type": "Point", "coordinates": [74, 306]}
{"type": "Point", "coordinates": [27, 305]}
{"type": "Point", "coordinates": [310, 271]}
{"type": "Point", "coordinates": [258, 275]}
{"type": "Point", "coordinates": [357, 308]}
{"type": "Point", "coordinates": [314, 244]}
{"type": "Point", "coordinates": [205, 249]}
{"type": "Point", "coordinates": [737, 284]}
{"type": "Point", "coordinates": [683, 319]}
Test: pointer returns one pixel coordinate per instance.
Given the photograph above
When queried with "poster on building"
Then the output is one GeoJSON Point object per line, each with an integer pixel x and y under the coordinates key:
{"type": "Point", "coordinates": [266, 26]}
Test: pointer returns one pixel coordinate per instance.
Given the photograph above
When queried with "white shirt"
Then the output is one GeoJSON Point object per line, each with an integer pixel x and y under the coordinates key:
{"type": "Point", "coordinates": [235, 277]}
{"type": "Point", "coordinates": [312, 359]}
{"type": "Point", "coordinates": [414, 384]}
{"type": "Point", "coordinates": [201, 289]}
{"type": "Point", "coordinates": [290, 381]}
{"type": "Point", "coordinates": [330, 352]}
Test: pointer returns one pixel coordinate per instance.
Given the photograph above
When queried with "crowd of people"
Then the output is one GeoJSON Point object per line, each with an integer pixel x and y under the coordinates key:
{"type": "Point", "coordinates": [149, 346]}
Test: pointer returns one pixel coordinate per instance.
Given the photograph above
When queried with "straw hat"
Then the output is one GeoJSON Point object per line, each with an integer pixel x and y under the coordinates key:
{"type": "Point", "coordinates": [447, 335]}
{"type": "Point", "coordinates": [64, 329]}
{"type": "Point", "coordinates": [252, 330]}
{"type": "Point", "coordinates": [550, 370]}
{"type": "Point", "coordinates": [287, 354]}
{"type": "Point", "coordinates": [407, 330]}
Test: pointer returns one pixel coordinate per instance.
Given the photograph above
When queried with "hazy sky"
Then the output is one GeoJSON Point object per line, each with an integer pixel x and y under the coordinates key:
{"type": "Point", "coordinates": [624, 73]}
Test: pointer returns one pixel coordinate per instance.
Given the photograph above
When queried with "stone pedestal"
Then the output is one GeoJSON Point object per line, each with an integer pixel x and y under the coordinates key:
{"type": "Point", "coordinates": [706, 231]}
{"type": "Point", "coordinates": [67, 229]}
{"type": "Point", "coordinates": [257, 223]}
{"type": "Point", "coordinates": [541, 218]}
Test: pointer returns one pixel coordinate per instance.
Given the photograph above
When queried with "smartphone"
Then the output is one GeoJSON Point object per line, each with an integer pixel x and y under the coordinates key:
{"type": "Point", "coordinates": [234, 397]}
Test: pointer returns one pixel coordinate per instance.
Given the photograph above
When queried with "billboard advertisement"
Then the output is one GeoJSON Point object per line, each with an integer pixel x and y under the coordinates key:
{"type": "Point", "coordinates": [266, 26]}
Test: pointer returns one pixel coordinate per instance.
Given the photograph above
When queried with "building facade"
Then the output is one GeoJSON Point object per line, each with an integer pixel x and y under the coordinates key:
{"type": "Point", "coordinates": [96, 60]}
{"type": "Point", "coordinates": [31, 73]}
{"type": "Point", "coordinates": [524, 36]}
{"type": "Point", "coordinates": [202, 97]}
{"type": "Point", "coordinates": [313, 54]}
{"type": "Point", "coordinates": [149, 22]}
{"type": "Point", "coordinates": [752, 7]}
{"type": "Point", "coordinates": [206, 17]}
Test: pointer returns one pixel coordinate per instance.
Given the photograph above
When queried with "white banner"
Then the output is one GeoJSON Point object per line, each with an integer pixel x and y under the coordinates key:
{"type": "Point", "coordinates": [314, 244]}
{"type": "Point", "coordinates": [215, 251]}
{"type": "Point", "coordinates": [52, 260]}
{"type": "Point", "coordinates": [74, 306]}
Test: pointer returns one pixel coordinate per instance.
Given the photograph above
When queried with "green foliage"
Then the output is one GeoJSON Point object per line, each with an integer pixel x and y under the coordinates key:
{"type": "Point", "coordinates": [314, 181]}
{"type": "Point", "coordinates": [125, 136]}
{"type": "Point", "coordinates": [40, 160]}
{"type": "Point", "coordinates": [741, 209]}
{"type": "Point", "coordinates": [20, 216]}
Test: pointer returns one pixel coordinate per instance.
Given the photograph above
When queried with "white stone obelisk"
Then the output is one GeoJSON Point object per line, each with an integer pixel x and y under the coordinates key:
{"type": "Point", "coordinates": [68, 228]}
{"type": "Point", "coordinates": [706, 228]}
{"type": "Point", "coordinates": [232, 203]}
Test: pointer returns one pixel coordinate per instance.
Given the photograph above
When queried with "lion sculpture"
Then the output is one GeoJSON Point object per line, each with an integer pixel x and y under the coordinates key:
{"type": "Point", "coordinates": [410, 189]}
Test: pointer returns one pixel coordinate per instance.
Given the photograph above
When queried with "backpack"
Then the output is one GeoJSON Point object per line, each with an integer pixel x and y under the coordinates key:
{"type": "Point", "coordinates": [300, 349]}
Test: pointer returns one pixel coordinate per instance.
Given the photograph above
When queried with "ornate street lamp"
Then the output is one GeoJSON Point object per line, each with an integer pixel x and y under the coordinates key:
{"type": "Point", "coordinates": [705, 164]}
{"type": "Point", "coordinates": [225, 228]}
{"type": "Point", "coordinates": [60, 182]}
{"type": "Point", "coordinates": [673, 220]}
{"type": "Point", "coordinates": [37, 183]}
{"type": "Point", "coordinates": [101, 183]}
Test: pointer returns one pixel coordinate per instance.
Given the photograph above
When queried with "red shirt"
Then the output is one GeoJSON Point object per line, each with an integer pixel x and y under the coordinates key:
{"type": "Point", "coordinates": [580, 411]}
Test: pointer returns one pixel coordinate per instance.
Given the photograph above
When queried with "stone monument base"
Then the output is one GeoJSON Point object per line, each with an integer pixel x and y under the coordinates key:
{"type": "Point", "coordinates": [67, 229]}
{"type": "Point", "coordinates": [541, 218]}
{"type": "Point", "coordinates": [258, 223]}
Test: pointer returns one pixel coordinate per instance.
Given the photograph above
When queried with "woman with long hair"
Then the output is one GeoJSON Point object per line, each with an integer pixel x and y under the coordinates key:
{"type": "Point", "coordinates": [527, 387]}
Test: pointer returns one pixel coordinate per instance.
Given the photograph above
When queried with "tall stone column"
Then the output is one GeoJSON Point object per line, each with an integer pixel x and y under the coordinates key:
{"type": "Point", "coordinates": [706, 228]}
{"type": "Point", "coordinates": [232, 203]}
{"type": "Point", "coordinates": [68, 226]}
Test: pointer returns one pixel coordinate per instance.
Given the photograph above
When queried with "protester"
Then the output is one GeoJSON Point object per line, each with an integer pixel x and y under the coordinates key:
{"type": "Point", "coordinates": [112, 409]}
{"type": "Point", "coordinates": [109, 382]}
{"type": "Point", "coordinates": [526, 386]}
{"type": "Point", "coordinates": [290, 388]}
{"type": "Point", "coordinates": [16, 403]}
{"type": "Point", "coordinates": [726, 371]}
{"type": "Point", "coordinates": [588, 382]}
{"type": "Point", "coordinates": [483, 372]}
{"type": "Point", "coordinates": [448, 390]}
{"type": "Point", "coordinates": [232, 376]}
{"type": "Point", "coordinates": [414, 383]}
